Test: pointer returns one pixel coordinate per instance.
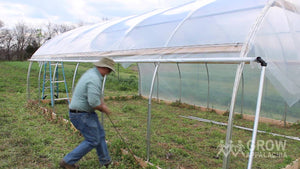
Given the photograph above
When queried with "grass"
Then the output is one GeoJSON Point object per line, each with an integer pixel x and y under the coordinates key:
{"type": "Point", "coordinates": [30, 139]}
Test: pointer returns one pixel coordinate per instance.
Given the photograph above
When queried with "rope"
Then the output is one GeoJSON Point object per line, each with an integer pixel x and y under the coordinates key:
{"type": "Point", "coordinates": [114, 126]}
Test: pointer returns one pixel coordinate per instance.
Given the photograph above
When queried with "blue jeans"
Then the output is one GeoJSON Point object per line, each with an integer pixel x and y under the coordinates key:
{"type": "Point", "coordinates": [89, 126]}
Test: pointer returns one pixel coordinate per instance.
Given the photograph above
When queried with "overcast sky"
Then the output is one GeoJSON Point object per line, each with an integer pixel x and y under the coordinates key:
{"type": "Point", "coordinates": [39, 12]}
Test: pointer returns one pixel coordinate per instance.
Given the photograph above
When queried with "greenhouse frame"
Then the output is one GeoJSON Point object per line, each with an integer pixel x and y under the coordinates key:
{"type": "Point", "coordinates": [188, 54]}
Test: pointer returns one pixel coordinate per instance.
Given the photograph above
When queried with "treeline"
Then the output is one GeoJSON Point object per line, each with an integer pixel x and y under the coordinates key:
{"type": "Point", "coordinates": [21, 41]}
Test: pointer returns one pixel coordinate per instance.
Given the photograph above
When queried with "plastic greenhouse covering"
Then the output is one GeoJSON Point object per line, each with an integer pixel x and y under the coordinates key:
{"type": "Point", "coordinates": [196, 54]}
{"type": "Point", "coordinates": [178, 38]}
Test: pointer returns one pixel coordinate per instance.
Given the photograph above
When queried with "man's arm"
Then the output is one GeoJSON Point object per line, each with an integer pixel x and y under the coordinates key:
{"type": "Point", "coordinates": [103, 108]}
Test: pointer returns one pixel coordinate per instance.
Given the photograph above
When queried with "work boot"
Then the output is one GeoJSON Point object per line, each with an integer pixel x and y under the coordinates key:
{"type": "Point", "coordinates": [106, 164]}
{"type": "Point", "coordinates": [65, 165]}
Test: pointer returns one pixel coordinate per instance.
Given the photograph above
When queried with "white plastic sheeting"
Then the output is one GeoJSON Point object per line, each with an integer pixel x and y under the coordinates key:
{"type": "Point", "coordinates": [199, 29]}
{"type": "Point", "coordinates": [278, 41]}
{"type": "Point", "coordinates": [199, 23]}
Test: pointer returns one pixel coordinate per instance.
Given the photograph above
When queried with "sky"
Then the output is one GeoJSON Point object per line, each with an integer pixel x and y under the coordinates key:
{"type": "Point", "coordinates": [40, 12]}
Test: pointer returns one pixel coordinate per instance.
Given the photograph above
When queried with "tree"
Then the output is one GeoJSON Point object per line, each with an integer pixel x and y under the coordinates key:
{"type": "Point", "coordinates": [22, 41]}
{"type": "Point", "coordinates": [1, 24]}
{"type": "Point", "coordinates": [23, 37]}
{"type": "Point", "coordinates": [53, 30]}
{"type": "Point", "coordinates": [6, 44]}
{"type": "Point", "coordinates": [31, 48]}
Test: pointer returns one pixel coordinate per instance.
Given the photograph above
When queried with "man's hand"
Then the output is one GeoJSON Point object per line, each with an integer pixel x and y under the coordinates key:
{"type": "Point", "coordinates": [103, 108]}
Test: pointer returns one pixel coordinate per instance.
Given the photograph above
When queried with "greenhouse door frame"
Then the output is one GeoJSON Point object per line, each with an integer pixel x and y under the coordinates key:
{"type": "Point", "coordinates": [228, 146]}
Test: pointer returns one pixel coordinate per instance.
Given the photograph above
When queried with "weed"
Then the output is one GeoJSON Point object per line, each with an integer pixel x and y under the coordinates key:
{"type": "Point", "coordinates": [136, 97]}
{"type": "Point", "coordinates": [129, 108]}
{"type": "Point", "coordinates": [122, 84]}
{"type": "Point", "coordinates": [226, 113]}
{"type": "Point", "coordinates": [178, 152]}
{"type": "Point", "coordinates": [123, 98]}
{"type": "Point", "coordinates": [117, 98]}
{"type": "Point", "coordinates": [177, 103]}
{"type": "Point", "coordinates": [287, 160]}
{"type": "Point", "coordinates": [238, 116]}
{"type": "Point", "coordinates": [296, 125]}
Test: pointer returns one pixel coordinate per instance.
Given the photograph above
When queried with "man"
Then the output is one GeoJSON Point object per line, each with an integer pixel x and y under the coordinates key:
{"type": "Point", "coordinates": [86, 99]}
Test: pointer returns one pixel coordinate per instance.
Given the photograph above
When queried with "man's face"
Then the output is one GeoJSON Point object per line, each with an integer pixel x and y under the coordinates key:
{"type": "Point", "coordinates": [107, 71]}
{"type": "Point", "coordinates": [104, 70]}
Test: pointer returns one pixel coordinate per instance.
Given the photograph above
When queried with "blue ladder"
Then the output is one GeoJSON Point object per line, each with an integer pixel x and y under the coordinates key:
{"type": "Point", "coordinates": [52, 78]}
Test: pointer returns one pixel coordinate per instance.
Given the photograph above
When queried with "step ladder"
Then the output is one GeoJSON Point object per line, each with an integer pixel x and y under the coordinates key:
{"type": "Point", "coordinates": [51, 82]}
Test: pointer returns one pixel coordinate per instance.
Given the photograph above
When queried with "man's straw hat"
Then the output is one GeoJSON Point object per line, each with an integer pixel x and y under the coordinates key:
{"type": "Point", "coordinates": [105, 62]}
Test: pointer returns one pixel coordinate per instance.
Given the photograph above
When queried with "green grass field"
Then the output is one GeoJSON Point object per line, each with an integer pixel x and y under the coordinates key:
{"type": "Point", "coordinates": [31, 139]}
